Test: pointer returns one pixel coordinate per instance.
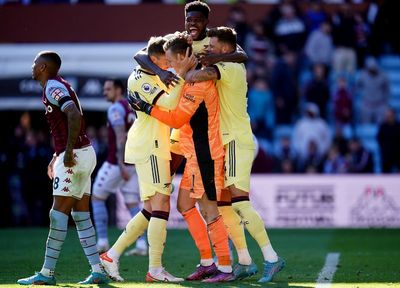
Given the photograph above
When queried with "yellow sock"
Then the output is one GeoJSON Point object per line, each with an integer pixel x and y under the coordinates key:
{"type": "Point", "coordinates": [253, 222]}
{"type": "Point", "coordinates": [234, 226]}
{"type": "Point", "coordinates": [135, 227]}
{"type": "Point", "coordinates": [157, 234]}
{"type": "Point", "coordinates": [235, 229]}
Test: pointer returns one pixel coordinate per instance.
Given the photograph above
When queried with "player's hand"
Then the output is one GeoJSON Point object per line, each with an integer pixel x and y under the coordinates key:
{"type": "Point", "coordinates": [138, 104]}
{"type": "Point", "coordinates": [124, 173]}
{"type": "Point", "coordinates": [168, 78]}
{"type": "Point", "coordinates": [69, 158]}
{"type": "Point", "coordinates": [50, 168]}
{"type": "Point", "coordinates": [186, 63]}
{"type": "Point", "coordinates": [208, 59]}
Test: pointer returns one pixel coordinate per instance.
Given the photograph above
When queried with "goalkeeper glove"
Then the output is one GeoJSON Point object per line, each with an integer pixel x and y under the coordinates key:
{"type": "Point", "coordinates": [138, 104]}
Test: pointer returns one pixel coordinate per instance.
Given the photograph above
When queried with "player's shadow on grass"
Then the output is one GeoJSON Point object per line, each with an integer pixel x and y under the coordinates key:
{"type": "Point", "coordinates": [109, 285]}
{"type": "Point", "coordinates": [240, 284]}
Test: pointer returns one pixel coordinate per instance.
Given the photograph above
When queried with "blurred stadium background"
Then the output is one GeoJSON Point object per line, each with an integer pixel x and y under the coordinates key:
{"type": "Point", "coordinates": [336, 168]}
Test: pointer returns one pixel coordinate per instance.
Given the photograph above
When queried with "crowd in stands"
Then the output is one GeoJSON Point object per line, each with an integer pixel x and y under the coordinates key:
{"type": "Point", "coordinates": [315, 85]}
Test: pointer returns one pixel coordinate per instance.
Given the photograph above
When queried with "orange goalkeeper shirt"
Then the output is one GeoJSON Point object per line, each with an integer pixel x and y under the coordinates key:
{"type": "Point", "coordinates": [197, 116]}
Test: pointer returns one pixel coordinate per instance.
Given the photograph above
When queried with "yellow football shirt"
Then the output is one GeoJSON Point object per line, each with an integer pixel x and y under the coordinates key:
{"type": "Point", "coordinates": [232, 90]}
{"type": "Point", "coordinates": [201, 45]}
{"type": "Point", "coordinates": [148, 136]}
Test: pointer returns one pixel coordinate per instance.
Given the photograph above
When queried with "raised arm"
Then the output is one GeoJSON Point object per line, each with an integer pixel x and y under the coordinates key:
{"type": "Point", "coordinates": [238, 56]}
{"type": "Point", "coordinates": [205, 74]}
{"type": "Point", "coordinates": [167, 77]}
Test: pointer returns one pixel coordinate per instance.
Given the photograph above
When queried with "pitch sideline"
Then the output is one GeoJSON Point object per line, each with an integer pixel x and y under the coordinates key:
{"type": "Point", "coordinates": [327, 272]}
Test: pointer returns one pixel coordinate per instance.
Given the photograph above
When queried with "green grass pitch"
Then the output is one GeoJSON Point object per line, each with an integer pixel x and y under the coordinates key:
{"type": "Point", "coordinates": [368, 258]}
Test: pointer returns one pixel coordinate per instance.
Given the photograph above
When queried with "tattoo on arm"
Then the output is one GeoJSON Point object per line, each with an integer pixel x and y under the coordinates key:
{"type": "Point", "coordinates": [120, 136]}
{"type": "Point", "coordinates": [205, 74]}
{"type": "Point", "coordinates": [74, 125]}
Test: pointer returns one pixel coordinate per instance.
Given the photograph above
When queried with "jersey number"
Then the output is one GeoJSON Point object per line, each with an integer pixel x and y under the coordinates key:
{"type": "Point", "coordinates": [55, 184]}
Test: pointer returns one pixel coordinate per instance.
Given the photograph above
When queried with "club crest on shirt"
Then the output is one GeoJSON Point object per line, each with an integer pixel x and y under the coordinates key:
{"type": "Point", "coordinates": [146, 87]}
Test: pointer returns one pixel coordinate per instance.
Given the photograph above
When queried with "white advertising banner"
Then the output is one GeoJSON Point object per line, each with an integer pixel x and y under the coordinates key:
{"type": "Point", "coordinates": [319, 201]}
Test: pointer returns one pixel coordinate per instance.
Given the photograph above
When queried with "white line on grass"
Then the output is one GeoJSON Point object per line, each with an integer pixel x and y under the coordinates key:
{"type": "Point", "coordinates": [325, 277]}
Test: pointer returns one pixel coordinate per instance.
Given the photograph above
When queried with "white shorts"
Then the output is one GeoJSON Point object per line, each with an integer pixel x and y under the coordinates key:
{"type": "Point", "coordinates": [109, 180]}
{"type": "Point", "coordinates": [75, 181]}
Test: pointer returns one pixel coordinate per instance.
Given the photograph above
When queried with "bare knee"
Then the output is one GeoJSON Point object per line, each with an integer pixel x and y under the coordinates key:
{"type": "Point", "coordinates": [185, 203]}
{"type": "Point", "coordinates": [160, 202]}
{"type": "Point", "coordinates": [184, 206]}
{"type": "Point", "coordinates": [63, 204]}
{"type": "Point", "coordinates": [236, 192]}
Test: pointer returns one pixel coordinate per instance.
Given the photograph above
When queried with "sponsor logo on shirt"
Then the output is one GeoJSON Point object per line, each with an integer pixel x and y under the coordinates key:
{"type": "Point", "coordinates": [189, 97]}
{"type": "Point", "coordinates": [49, 109]}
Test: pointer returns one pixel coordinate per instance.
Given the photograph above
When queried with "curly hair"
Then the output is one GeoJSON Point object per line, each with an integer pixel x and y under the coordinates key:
{"type": "Point", "coordinates": [198, 6]}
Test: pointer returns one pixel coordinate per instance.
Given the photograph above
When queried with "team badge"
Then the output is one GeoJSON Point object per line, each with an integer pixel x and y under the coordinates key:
{"type": "Point", "coordinates": [115, 116]}
{"type": "Point", "coordinates": [146, 87]}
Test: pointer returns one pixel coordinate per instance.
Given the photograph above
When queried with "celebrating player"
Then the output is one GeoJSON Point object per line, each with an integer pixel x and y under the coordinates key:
{"type": "Point", "coordinates": [197, 117]}
{"type": "Point", "coordinates": [148, 148]}
{"type": "Point", "coordinates": [239, 146]}
{"type": "Point", "coordinates": [196, 21]}
{"type": "Point", "coordinates": [70, 170]}
{"type": "Point", "coordinates": [114, 173]}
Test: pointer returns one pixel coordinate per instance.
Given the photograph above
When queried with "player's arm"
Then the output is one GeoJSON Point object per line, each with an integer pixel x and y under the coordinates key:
{"type": "Point", "coordinates": [74, 117]}
{"type": "Point", "coordinates": [167, 77]}
{"type": "Point", "coordinates": [205, 74]}
{"type": "Point", "coordinates": [238, 56]}
{"type": "Point", "coordinates": [120, 139]}
{"type": "Point", "coordinates": [50, 167]}
{"type": "Point", "coordinates": [116, 115]}
{"type": "Point", "coordinates": [170, 100]}
{"type": "Point", "coordinates": [174, 118]}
